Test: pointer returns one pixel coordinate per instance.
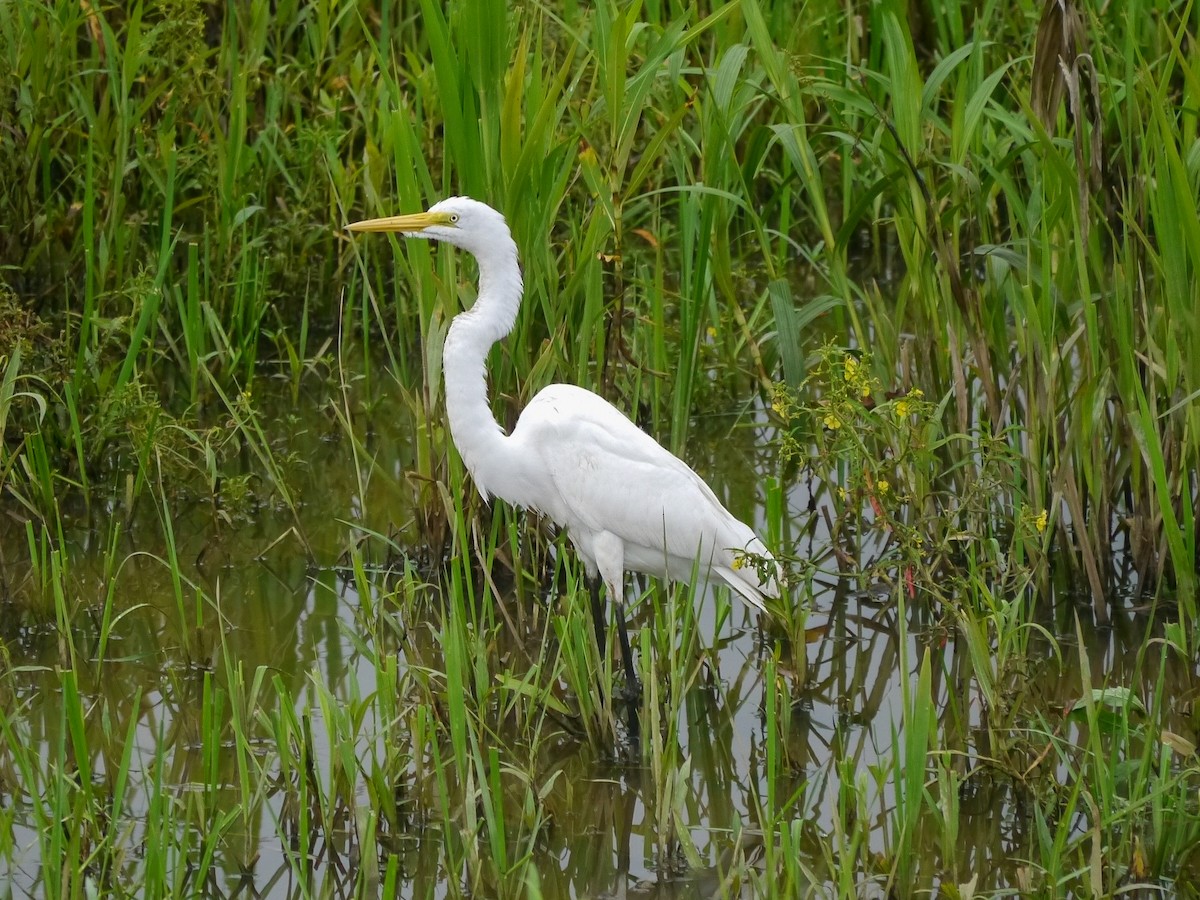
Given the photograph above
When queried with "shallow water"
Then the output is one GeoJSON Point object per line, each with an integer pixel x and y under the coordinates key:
{"type": "Point", "coordinates": [297, 619]}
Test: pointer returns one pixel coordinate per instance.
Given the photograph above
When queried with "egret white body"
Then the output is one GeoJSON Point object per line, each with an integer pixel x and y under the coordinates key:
{"type": "Point", "coordinates": [626, 503]}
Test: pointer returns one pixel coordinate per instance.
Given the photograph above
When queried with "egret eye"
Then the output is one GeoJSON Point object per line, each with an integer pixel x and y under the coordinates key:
{"type": "Point", "coordinates": [453, 218]}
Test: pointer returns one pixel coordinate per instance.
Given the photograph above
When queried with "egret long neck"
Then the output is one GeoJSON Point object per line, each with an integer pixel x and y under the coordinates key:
{"type": "Point", "coordinates": [480, 439]}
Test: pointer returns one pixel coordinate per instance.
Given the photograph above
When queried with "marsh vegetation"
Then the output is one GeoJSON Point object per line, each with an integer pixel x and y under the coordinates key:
{"type": "Point", "coordinates": [912, 284]}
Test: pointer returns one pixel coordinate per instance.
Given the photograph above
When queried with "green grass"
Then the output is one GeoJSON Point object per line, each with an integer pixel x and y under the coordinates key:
{"type": "Point", "coordinates": [920, 300]}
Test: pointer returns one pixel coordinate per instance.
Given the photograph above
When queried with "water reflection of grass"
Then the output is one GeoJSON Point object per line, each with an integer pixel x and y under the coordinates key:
{"type": "Point", "coordinates": [283, 644]}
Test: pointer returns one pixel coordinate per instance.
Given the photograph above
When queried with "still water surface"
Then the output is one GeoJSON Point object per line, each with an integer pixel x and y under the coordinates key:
{"type": "Point", "coordinates": [299, 620]}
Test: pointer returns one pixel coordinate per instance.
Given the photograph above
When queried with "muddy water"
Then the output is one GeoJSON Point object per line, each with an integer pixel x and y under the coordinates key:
{"type": "Point", "coordinates": [296, 617]}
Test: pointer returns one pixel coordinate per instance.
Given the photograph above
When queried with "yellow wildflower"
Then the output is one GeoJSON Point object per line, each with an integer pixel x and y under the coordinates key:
{"type": "Point", "coordinates": [902, 409]}
{"type": "Point", "coordinates": [1040, 522]}
{"type": "Point", "coordinates": [882, 486]}
{"type": "Point", "coordinates": [712, 331]}
{"type": "Point", "coordinates": [832, 422]}
{"type": "Point", "coordinates": [856, 375]}
{"type": "Point", "coordinates": [738, 562]}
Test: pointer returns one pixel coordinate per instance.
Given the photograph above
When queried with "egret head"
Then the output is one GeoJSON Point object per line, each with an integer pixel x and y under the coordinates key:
{"type": "Point", "coordinates": [461, 221]}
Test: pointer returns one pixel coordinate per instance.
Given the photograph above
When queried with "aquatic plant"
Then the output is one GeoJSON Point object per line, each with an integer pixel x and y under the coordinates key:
{"type": "Point", "coordinates": [924, 272]}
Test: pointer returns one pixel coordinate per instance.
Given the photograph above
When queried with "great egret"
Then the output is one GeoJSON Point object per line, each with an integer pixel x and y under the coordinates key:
{"type": "Point", "coordinates": [625, 502]}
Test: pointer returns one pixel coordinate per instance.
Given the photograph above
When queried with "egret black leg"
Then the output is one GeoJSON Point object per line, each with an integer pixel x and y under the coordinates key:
{"type": "Point", "coordinates": [598, 616]}
{"type": "Point", "coordinates": [633, 687]}
{"type": "Point", "coordinates": [601, 630]}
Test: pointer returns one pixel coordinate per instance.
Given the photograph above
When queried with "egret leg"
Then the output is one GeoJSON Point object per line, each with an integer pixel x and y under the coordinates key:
{"type": "Point", "coordinates": [601, 629]}
{"type": "Point", "coordinates": [598, 616]}
{"type": "Point", "coordinates": [633, 687]}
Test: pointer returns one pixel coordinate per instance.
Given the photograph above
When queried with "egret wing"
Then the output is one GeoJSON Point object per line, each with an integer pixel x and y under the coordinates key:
{"type": "Point", "coordinates": [606, 474]}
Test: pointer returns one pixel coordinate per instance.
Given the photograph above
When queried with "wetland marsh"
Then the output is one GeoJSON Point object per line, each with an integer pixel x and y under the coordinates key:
{"type": "Point", "coordinates": [911, 284]}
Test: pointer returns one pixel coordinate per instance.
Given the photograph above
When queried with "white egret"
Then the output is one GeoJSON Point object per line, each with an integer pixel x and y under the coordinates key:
{"type": "Point", "coordinates": [625, 502]}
